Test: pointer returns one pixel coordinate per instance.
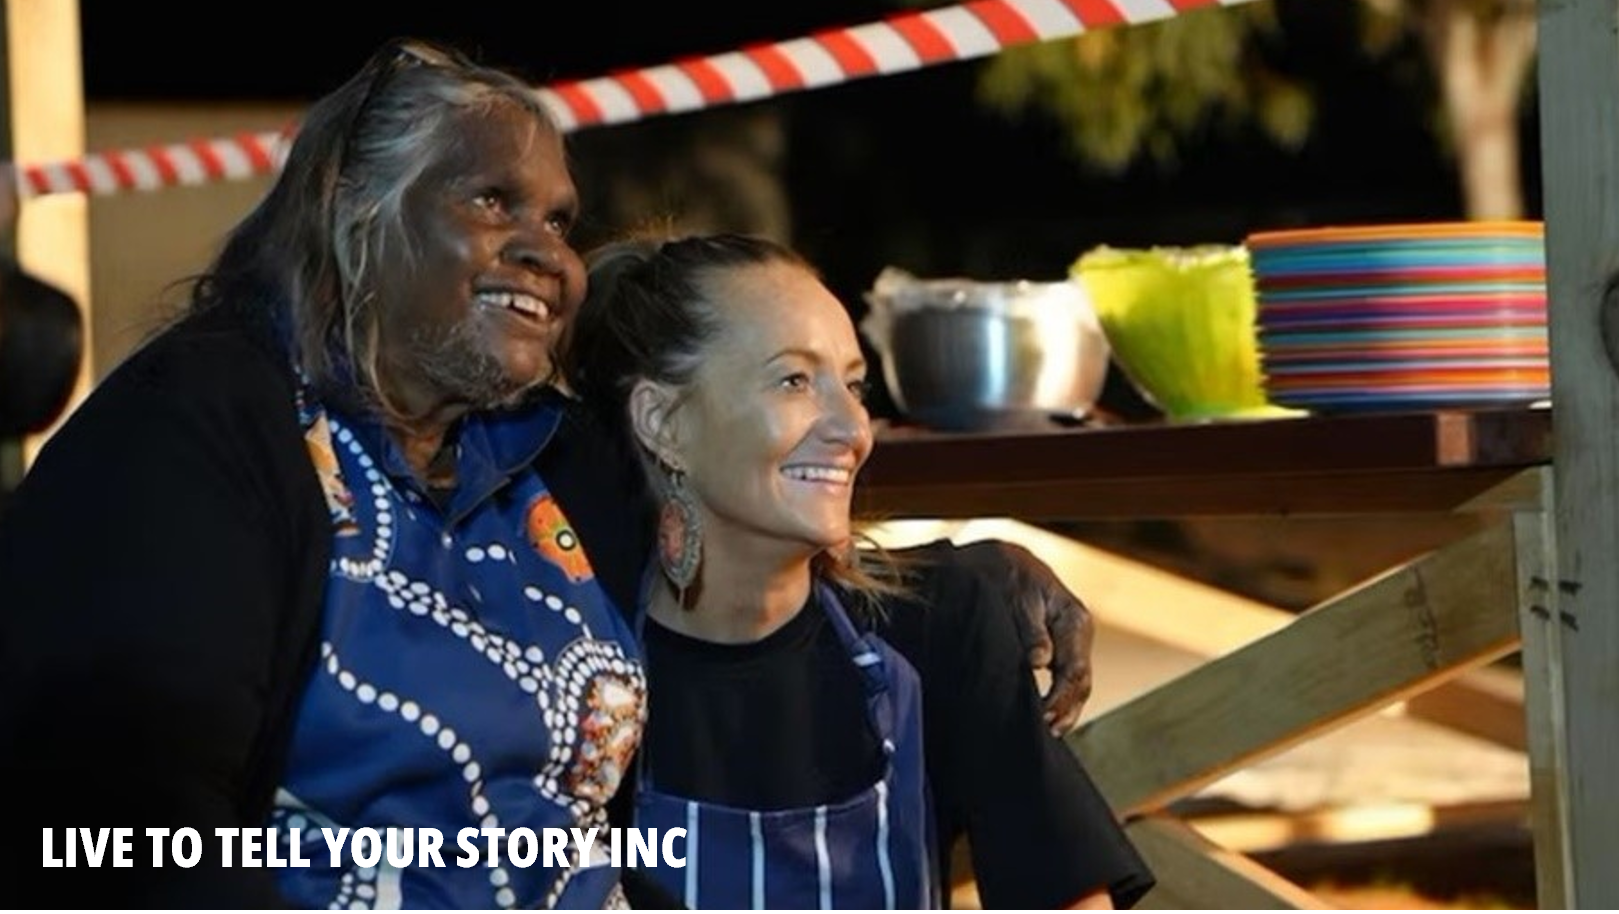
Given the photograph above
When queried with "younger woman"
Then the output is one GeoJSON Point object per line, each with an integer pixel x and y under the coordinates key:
{"type": "Point", "coordinates": [822, 730]}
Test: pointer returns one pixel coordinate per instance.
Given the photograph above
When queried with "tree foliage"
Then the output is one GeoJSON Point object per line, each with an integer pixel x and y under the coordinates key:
{"type": "Point", "coordinates": [1143, 90]}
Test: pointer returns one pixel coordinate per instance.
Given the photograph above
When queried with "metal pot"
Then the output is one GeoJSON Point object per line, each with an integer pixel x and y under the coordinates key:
{"type": "Point", "coordinates": [964, 355]}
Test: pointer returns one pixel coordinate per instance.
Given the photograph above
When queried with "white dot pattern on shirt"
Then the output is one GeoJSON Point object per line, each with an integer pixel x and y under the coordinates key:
{"type": "Point", "coordinates": [381, 493]}
{"type": "Point", "coordinates": [355, 889]}
{"type": "Point", "coordinates": [523, 664]}
{"type": "Point", "coordinates": [445, 739]}
{"type": "Point", "coordinates": [418, 598]}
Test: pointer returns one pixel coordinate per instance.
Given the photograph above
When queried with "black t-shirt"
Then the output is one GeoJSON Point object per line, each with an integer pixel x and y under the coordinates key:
{"type": "Point", "coordinates": [780, 723]}
{"type": "Point", "coordinates": [799, 680]}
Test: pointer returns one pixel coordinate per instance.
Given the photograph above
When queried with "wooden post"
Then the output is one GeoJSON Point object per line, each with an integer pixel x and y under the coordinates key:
{"type": "Point", "coordinates": [1540, 621]}
{"type": "Point", "coordinates": [1579, 111]}
{"type": "Point", "coordinates": [11, 457]}
{"type": "Point", "coordinates": [45, 105]}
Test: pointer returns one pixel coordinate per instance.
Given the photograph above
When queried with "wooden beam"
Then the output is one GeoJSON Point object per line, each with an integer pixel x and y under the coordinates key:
{"type": "Point", "coordinates": [1521, 492]}
{"type": "Point", "coordinates": [1258, 831]}
{"type": "Point", "coordinates": [1578, 63]}
{"type": "Point", "coordinates": [1122, 592]}
{"type": "Point", "coordinates": [1207, 622]}
{"type": "Point", "coordinates": [1195, 873]}
{"type": "Point", "coordinates": [1486, 703]}
{"type": "Point", "coordinates": [1390, 638]}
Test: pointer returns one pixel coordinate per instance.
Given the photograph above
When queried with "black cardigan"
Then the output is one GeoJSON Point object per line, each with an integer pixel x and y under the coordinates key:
{"type": "Point", "coordinates": [162, 570]}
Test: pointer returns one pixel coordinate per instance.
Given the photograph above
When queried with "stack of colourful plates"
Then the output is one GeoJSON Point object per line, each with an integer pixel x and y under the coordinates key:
{"type": "Point", "coordinates": [1403, 316]}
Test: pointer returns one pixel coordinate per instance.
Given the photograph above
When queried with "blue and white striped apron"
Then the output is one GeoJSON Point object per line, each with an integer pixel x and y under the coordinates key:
{"type": "Point", "coordinates": [873, 850]}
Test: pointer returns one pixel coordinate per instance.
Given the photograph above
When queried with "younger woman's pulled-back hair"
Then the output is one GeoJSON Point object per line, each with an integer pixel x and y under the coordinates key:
{"type": "Point", "coordinates": [648, 315]}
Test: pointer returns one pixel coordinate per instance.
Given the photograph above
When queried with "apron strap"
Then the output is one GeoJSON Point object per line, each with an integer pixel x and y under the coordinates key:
{"type": "Point", "coordinates": [870, 656]}
{"type": "Point", "coordinates": [866, 652]}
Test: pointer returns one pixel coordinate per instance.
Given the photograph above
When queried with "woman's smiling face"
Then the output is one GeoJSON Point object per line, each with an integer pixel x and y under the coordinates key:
{"type": "Point", "coordinates": [473, 306]}
{"type": "Point", "coordinates": [773, 427]}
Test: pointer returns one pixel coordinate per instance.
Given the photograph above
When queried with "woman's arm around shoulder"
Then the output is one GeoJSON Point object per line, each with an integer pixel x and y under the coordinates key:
{"type": "Point", "coordinates": [1054, 626]}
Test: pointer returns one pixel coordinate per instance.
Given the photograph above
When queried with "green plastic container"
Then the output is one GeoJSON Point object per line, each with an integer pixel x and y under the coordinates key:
{"type": "Point", "coordinates": [1181, 323]}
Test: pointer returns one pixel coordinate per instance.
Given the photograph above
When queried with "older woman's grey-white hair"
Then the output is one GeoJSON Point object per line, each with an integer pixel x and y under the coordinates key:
{"type": "Point", "coordinates": [339, 203]}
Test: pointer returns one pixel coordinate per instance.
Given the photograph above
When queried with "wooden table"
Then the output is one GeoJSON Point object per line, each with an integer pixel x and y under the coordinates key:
{"type": "Point", "coordinates": [1398, 635]}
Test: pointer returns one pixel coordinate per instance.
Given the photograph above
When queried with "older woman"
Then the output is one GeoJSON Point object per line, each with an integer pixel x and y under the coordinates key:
{"type": "Point", "coordinates": [328, 551]}
{"type": "Point", "coordinates": [817, 724]}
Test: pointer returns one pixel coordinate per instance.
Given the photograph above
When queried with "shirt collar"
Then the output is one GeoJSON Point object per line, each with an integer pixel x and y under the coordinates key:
{"type": "Point", "coordinates": [492, 447]}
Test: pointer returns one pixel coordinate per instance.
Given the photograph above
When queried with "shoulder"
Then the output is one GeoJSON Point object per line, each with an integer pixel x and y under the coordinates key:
{"type": "Point", "coordinates": [204, 407]}
{"type": "Point", "coordinates": [603, 493]}
{"type": "Point", "coordinates": [946, 613]}
{"type": "Point", "coordinates": [582, 444]}
{"type": "Point", "coordinates": [586, 465]}
{"type": "Point", "coordinates": [212, 356]}
{"type": "Point", "coordinates": [946, 589]}
{"type": "Point", "coordinates": [214, 374]}
{"type": "Point", "coordinates": [942, 570]}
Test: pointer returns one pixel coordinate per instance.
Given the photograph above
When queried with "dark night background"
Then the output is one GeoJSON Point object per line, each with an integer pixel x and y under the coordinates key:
{"type": "Point", "coordinates": [905, 169]}
{"type": "Point", "coordinates": [914, 146]}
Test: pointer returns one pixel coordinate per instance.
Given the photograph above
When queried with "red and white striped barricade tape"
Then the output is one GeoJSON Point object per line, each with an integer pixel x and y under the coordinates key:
{"type": "Point", "coordinates": [896, 44]}
{"type": "Point", "coordinates": [202, 161]}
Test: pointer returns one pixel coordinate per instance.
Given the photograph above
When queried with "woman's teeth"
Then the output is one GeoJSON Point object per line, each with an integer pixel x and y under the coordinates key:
{"type": "Point", "coordinates": [818, 474]}
{"type": "Point", "coordinates": [521, 302]}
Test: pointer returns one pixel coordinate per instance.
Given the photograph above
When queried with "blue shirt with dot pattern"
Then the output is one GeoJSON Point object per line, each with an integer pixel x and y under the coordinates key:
{"type": "Point", "coordinates": [472, 675]}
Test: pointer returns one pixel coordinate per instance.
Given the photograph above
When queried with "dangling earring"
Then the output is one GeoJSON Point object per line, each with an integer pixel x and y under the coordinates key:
{"type": "Point", "coordinates": [680, 535]}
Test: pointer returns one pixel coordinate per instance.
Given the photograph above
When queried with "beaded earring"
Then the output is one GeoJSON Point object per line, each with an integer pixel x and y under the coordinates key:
{"type": "Point", "coordinates": [680, 535]}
